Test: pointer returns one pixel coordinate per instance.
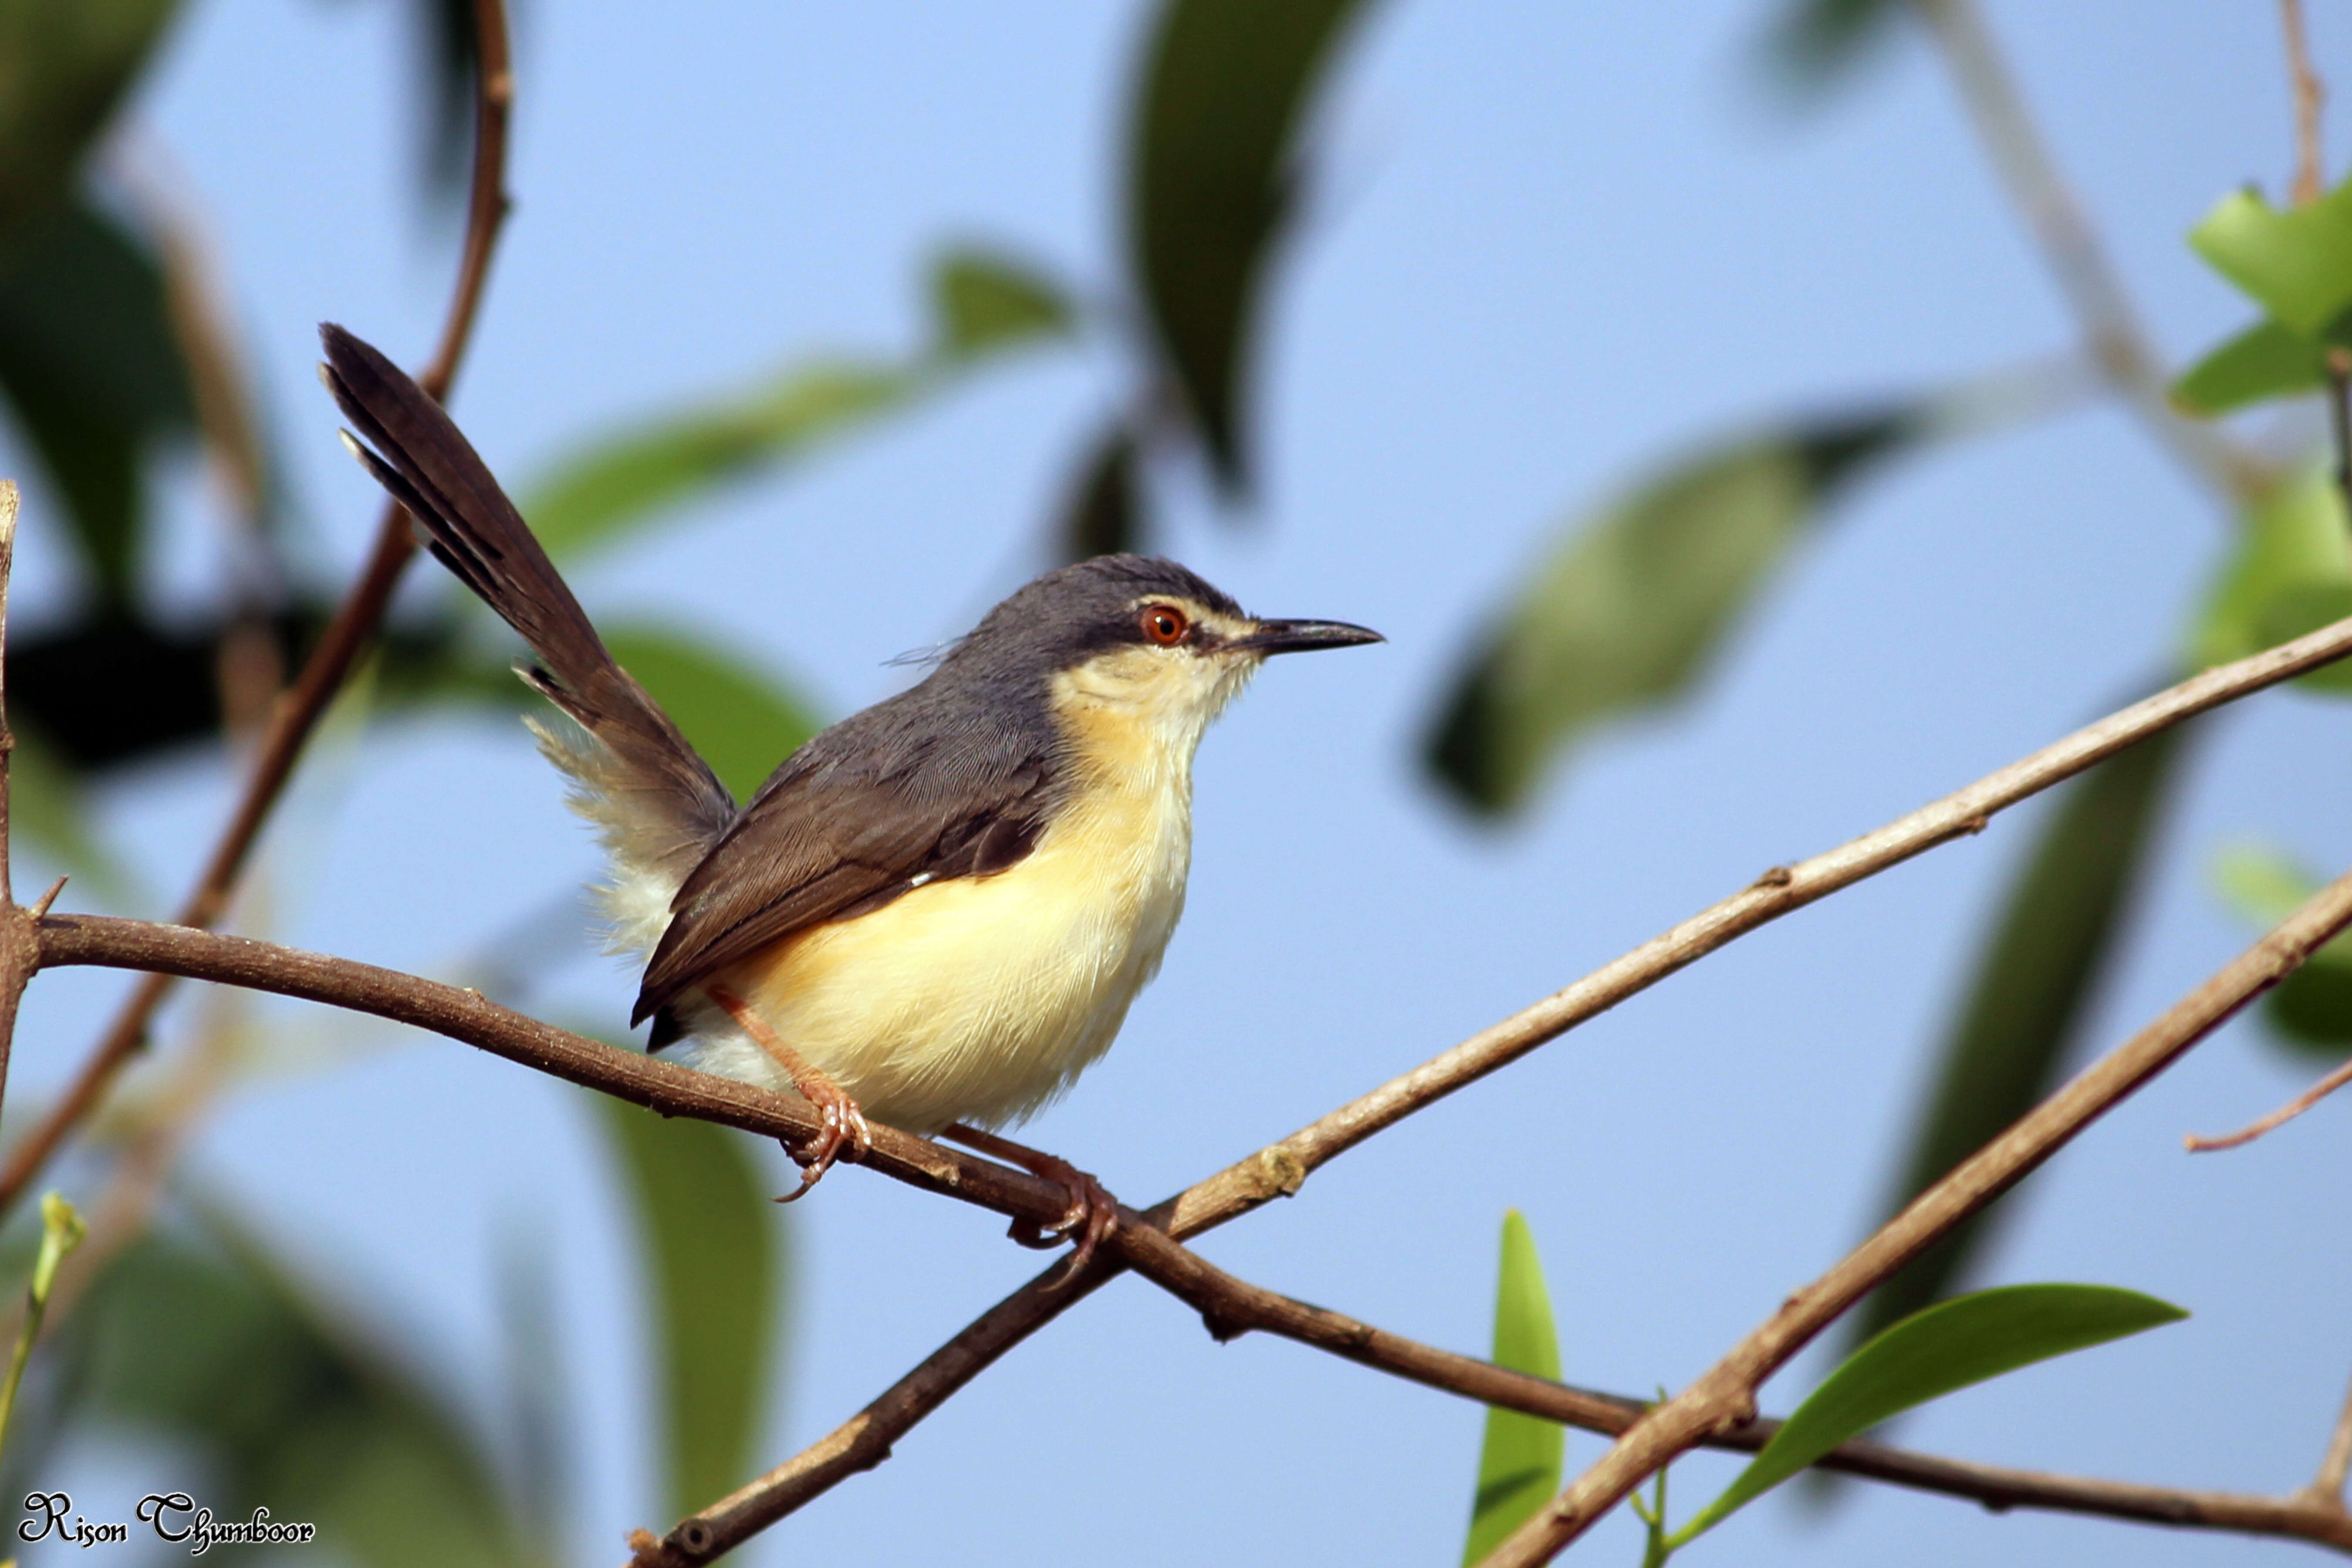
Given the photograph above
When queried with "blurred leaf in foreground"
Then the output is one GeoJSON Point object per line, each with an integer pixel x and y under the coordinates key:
{"type": "Point", "coordinates": [1927, 1356]}
{"type": "Point", "coordinates": [2048, 948]}
{"type": "Point", "coordinates": [982, 306]}
{"type": "Point", "coordinates": [2265, 361]}
{"type": "Point", "coordinates": [64, 68]}
{"type": "Point", "coordinates": [1519, 1464]}
{"type": "Point", "coordinates": [741, 722]}
{"type": "Point", "coordinates": [2311, 1010]}
{"type": "Point", "coordinates": [93, 374]}
{"type": "Point", "coordinates": [1813, 47]}
{"type": "Point", "coordinates": [1103, 513]}
{"type": "Point", "coordinates": [2292, 574]}
{"type": "Point", "coordinates": [1635, 600]}
{"type": "Point", "coordinates": [203, 1340]}
{"type": "Point", "coordinates": [710, 1240]}
{"type": "Point", "coordinates": [1214, 179]}
{"type": "Point", "coordinates": [2297, 263]}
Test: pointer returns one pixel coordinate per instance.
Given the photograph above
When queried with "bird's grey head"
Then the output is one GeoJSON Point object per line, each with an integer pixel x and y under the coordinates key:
{"type": "Point", "coordinates": [1135, 634]}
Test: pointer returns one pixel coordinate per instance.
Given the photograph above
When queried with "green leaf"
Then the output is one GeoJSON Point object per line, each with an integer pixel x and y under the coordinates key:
{"type": "Point", "coordinates": [1212, 177]}
{"type": "Point", "coordinates": [1636, 601]}
{"type": "Point", "coordinates": [64, 68]}
{"type": "Point", "coordinates": [93, 374]}
{"type": "Point", "coordinates": [1519, 1465]}
{"type": "Point", "coordinates": [711, 1242]}
{"type": "Point", "coordinates": [2043, 958]}
{"type": "Point", "coordinates": [982, 302]}
{"type": "Point", "coordinates": [2267, 360]}
{"type": "Point", "coordinates": [2311, 1010]}
{"type": "Point", "coordinates": [2292, 574]}
{"type": "Point", "coordinates": [204, 1340]}
{"type": "Point", "coordinates": [981, 307]}
{"type": "Point", "coordinates": [2296, 263]}
{"type": "Point", "coordinates": [741, 721]}
{"type": "Point", "coordinates": [1949, 1347]}
{"type": "Point", "coordinates": [1104, 512]}
{"type": "Point", "coordinates": [1815, 46]}
{"type": "Point", "coordinates": [45, 805]}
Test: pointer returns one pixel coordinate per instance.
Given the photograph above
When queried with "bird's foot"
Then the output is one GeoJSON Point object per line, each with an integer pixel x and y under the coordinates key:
{"type": "Point", "coordinates": [1093, 1212]}
{"type": "Point", "coordinates": [845, 1128]}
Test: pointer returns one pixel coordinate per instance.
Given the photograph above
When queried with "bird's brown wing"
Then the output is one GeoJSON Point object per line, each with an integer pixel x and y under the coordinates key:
{"type": "Point", "coordinates": [863, 812]}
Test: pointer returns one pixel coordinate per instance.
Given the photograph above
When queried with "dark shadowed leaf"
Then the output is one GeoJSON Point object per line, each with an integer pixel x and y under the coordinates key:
{"type": "Point", "coordinates": [2026, 1000]}
{"type": "Point", "coordinates": [201, 1339]}
{"type": "Point", "coordinates": [712, 1251]}
{"type": "Point", "coordinates": [1635, 600]}
{"type": "Point", "coordinates": [2290, 575]}
{"type": "Point", "coordinates": [1814, 45]}
{"type": "Point", "coordinates": [1519, 1464]}
{"type": "Point", "coordinates": [2265, 361]}
{"type": "Point", "coordinates": [982, 306]}
{"type": "Point", "coordinates": [2296, 263]}
{"type": "Point", "coordinates": [741, 721]}
{"type": "Point", "coordinates": [1103, 513]}
{"type": "Point", "coordinates": [63, 67]}
{"type": "Point", "coordinates": [1213, 176]}
{"type": "Point", "coordinates": [2311, 1010]}
{"type": "Point", "coordinates": [1939, 1352]}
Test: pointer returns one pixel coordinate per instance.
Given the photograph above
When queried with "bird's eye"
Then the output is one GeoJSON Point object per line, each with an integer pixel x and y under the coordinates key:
{"type": "Point", "coordinates": [1165, 625]}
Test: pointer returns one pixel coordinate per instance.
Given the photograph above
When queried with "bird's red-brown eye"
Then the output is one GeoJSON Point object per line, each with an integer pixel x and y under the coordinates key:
{"type": "Point", "coordinates": [1165, 625]}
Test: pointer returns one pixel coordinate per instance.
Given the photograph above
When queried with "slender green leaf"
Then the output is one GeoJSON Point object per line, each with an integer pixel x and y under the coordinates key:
{"type": "Point", "coordinates": [1519, 1464]}
{"type": "Point", "coordinates": [63, 67]}
{"type": "Point", "coordinates": [1944, 1349]}
{"type": "Point", "coordinates": [741, 721]}
{"type": "Point", "coordinates": [2311, 1010]}
{"type": "Point", "coordinates": [2267, 360]}
{"type": "Point", "coordinates": [2295, 263]}
{"type": "Point", "coordinates": [93, 372]}
{"type": "Point", "coordinates": [2292, 574]}
{"type": "Point", "coordinates": [1104, 512]}
{"type": "Point", "coordinates": [981, 302]}
{"type": "Point", "coordinates": [982, 306]}
{"type": "Point", "coordinates": [1212, 179]}
{"type": "Point", "coordinates": [2027, 998]}
{"type": "Point", "coordinates": [711, 1239]}
{"type": "Point", "coordinates": [203, 1340]}
{"type": "Point", "coordinates": [1636, 601]}
{"type": "Point", "coordinates": [1813, 46]}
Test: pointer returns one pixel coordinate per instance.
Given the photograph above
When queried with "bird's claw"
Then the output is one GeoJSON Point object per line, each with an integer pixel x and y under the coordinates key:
{"type": "Point", "coordinates": [845, 1132]}
{"type": "Point", "coordinates": [1089, 1220]}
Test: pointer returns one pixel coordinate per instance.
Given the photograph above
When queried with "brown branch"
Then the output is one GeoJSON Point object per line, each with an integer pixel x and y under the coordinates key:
{"type": "Point", "coordinates": [2310, 94]}
{"type": "Point", "coordinates": [1724, 1395]}
{"type": "Point", "coordinates": [346, 636]}
{"type": "Point", "coordinates": [19, 954]}
{"type": "Point", "coordinates": [2279, 1118]}
{"type": "Point", "coordinates": [2326, 1487]}
{"type": "Point", "coordinates": [2112, 331]}
{"type": "Point", "coordinates": [1279, 1169]}
{"type": "Point", "coordinates": [1229, 1304]}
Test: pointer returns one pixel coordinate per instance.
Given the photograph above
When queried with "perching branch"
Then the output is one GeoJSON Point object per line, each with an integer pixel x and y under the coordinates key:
{"type": "Point", "coordinates": [1726, 1394]}
{"type": "Point", "coordinates": [346, 636]}
{"type": "Point", "coordinates": [1279, 1169]}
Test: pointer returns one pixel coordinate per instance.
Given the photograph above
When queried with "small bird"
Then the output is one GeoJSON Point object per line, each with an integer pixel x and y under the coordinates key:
{"type": "Point", "coordinates": [937, 911]}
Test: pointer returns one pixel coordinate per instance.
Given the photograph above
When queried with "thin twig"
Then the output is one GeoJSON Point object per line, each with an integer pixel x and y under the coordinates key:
{"type": "Point", "coordinates": [1726, 1394]}
{"type": "Point", "coordinates": [2283, 1114]}
{"type": "Point", "coordinates": [2310, 94]}
{"type": "Point", "coordinates": [346, 636]}
{"type": "Point", "coordinates": [2111, 330]}
{"type": "Point", "coordinates": [2326, 1487]}
{"type": "Point", "coordinates": [1279, 1169]}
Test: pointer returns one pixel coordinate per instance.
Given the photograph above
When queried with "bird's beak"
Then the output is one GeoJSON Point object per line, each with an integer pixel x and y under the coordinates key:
{"type": "Point", "coordinates": [1298, 637]}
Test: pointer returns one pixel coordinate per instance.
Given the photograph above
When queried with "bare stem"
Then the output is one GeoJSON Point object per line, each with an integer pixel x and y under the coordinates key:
{"type": "Point", "coordinates": [346, 636]}
{"type": "Point", "coordinates": [2283, 1114]}
{"type": "Point", "coordinates": [1726, 1394]}
{"type": "Point", "coordinates": [2310, 95]}
{"type": "Point", "coordinates": [2112, 333]}
{"type": "Point", "coordinates": [2327, 1489]}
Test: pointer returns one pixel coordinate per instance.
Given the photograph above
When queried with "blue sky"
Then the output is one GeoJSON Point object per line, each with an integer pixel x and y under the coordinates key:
{"type": "Point", "coordinates": [1555, 244]}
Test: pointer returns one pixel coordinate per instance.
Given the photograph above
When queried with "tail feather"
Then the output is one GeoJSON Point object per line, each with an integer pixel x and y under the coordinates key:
{"type": "Point", "coordinates": [657, 801]}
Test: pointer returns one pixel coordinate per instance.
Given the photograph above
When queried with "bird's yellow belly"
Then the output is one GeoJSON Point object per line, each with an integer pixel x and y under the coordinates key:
{"type": "Point", "coordinates": [978, 999]}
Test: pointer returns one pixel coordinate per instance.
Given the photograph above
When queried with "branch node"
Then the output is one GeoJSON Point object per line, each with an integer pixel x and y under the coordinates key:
{"type": "Point", "coordinates": [1281, 1170]}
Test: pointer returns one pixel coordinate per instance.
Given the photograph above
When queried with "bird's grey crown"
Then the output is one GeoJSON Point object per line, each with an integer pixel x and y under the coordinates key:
{"type": "Point", "coordinates": [1068, 616]}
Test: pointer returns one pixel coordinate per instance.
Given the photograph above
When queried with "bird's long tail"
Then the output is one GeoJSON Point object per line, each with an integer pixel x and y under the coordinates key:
{"type": "Point", "coordinates": [655, 801]}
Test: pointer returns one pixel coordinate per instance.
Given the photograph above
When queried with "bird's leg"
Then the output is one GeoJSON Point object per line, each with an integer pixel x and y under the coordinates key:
{"type": "Point", "coordinates": [1093, 1212]}
{"type": "Point", "coordinates": [845, 1124]}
